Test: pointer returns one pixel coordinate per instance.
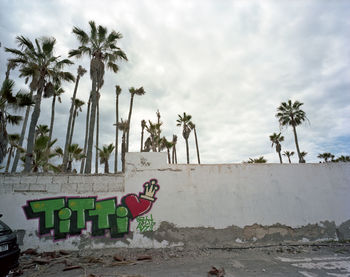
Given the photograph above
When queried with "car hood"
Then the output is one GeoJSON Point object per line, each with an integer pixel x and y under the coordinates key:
{"type": "Point", "coordinates": [7, 237]}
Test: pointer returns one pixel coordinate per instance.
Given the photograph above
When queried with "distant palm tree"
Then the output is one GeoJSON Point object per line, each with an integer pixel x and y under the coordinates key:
{"type": "Point", "coordinates": [105, 153]}
{"type": "Point", "coordinates": [118, 91]}
{"type": "Point", "coordinates": [140, 91]}
{"type": "Point", "coordinates": [167, 144]}
{"type": "Point", "coordinates": [303, 154]}
{"type": "Point", "coordinates": [259, 160]}
{"type": "Point", "coordinates": [42, 130]}
{"type": "Point", "coordinates": [193, 127]}
{"type": "Point", "coordinates": [288, 155]}
{"type": "Point", "coordinates": [143, 126]}
{"type": "Point", "coordinates": [74, 153]}
{"type": "Point", "coordinates": [80, 73]}
{"type": "Point", "coordinates": [153, 142]}
{"type": "Point", "coordinates": [343, 159]}
{"type": "Point", "coordinates": [174, 156]}
{"type": "Point", "coordinates": [277, 139]}
{"type": "Point", "coordinates": [289, 113]}
{"type": "Point", "coordinates": [13, 140]}
{"type": "Point", "coordinates": [101, 48]}
{"type": "Point", "coordinates": [77, 108]}
{"type": "Point", "coordinates": [10, 101]}
{"type": "Point", "coordinates": [58, 90]}
{"type": "Point", "coordinates": [186, 130]}
{"type": "Point", "coordinates": [326, 156]}
{"type": "Point", "coordinates": [38, 61]}
{"type": "Point", "coordinates": [123, 126]}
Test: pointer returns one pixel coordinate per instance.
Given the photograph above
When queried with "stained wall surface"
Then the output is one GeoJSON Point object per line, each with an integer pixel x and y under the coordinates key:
{"type": "Point", "coordinates": [224, 205]}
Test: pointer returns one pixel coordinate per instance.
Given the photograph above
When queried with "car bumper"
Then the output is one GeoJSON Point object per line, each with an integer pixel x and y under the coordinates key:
{"type": "Point", "coordinates": [9, 259]}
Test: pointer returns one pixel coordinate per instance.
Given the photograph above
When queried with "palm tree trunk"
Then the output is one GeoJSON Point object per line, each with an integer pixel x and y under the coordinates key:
{"type": "Point", "coordinates": [123, 152]}
{"type": "Point", "coordinates": [8, 160]}
{"type": "Point", "coordinates": [280, 156]}
{"type": "Point", "coordinates": [66, 145]}
{"type": "Point", "coordinates": [23, 132]}
{"type": "Point", "coordinates": [106, 167]}
{"type": "Point", "coordinates": [97, 131]}
{"type": "Point", "coordinates": [91, 126]}
{"type": "Point", "coordinates": [289, 160]}
{"type": "Point", "coordinates": [86, 135]}
{"type": "Point", "coordinates": [301, 160]}
{"type": "Point", "coordinates": [187, 152]}
{"type": "Point", "coordinates": [195, 137]}
{"type": "Point", "coordinates": [129, 118]}
{"type": "Point", "coordinates": [52, 116]}
{"type": "Point", "coordinates": [142, 139]}
{"type": "Point", "coordinates": [168, 150]}
{"type": "Point", "coordinates": [33, 123]}
{"type": "Point", "coordinates": [73, 124]}
{"type": "Point", "coordinates": [116, 134]}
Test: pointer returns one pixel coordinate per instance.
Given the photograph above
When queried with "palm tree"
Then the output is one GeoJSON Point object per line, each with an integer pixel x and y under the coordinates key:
{"type": "Point", "coordinates": [277, 139]}
{"type": "Point", "coordinates": [37, 61]}
{"type": "Point", "coordinates": [80, 73]}
{"type": "Point", "coordinates": [123, 126]}
{"type": "Point", "coordinates": [118, 91]}
{"type": "Point", "coordinates": [185, 122]}
{"type": "Point", "coordinates": [167, 144]}
{"type": "Point", "coordinates": [288, 154]}
{"type": "Point", "coordinates": [303, 154]}
{"type": "Point", "coordinates": [326, 156]}
{"type": "Point", "coordinates": [343, 159]}
{"type": "Point", "coordinates": [82, 166]}
{"type": "Point", "coordinates": [143, 126]}
{"type": "Point", "coordinates": [8, 101]}
{"type": "Point", "coordinates": [259, 160]}
{"type": "Point", "coordinates": [101, 48]}
{"type": "Point", "coordinates": [10, 66]}
{"type": "Point", "coordinates": [289, 113]}
{"type": "Point", "coordinates": [97, 129]}
{"type": "Point", "coordinates": [13, 140]}
{"type": "Point", "coordinates": [58, 90]}
{"type": "Point", "coordinates": [140, 91]}
{"type": "Point", "coordinates": [77, 108]}
{"type": "Point", "coordinates": [153, 142]}
{"type": "Point", "coordinates": [74, 153]}
{"type": "Point", "coordinates": [105, 153]}
{"type": "Point", "coordinates": [193, 127]}
{"type": "Point", "coordinates": [174, 156]}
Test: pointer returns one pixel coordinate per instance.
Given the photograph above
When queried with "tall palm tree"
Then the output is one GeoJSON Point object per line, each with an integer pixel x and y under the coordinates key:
{"type": "Point", "coordinates": [118, 91]}
{"type": "Point", "coordinates": [80, 73]}
{"type": "Point", "coordinates": [143, 126]}
{"type": "Point", "coordinates": [105, 153]}
{"type": "Point", "coordinates": [101, 48]}
{"type": "Point", "coordinates": [186, 130]}
{"type": "Point", "coordinates": [326, 156]}
{"type": "Point", "coordinates": [289, 113]}
{"type": "Point", "coordinates": [13, 140]}
{"type": "Point", "coordinates": [58, 90]}
{"type": "Point", "coordinates": [174, 156]}
{"type": "Point", "coordinates": [77, 108]}
{"type": "Point", "coordinates": [82, 166]}
{"type": "Point", "coordinates": [9, 101]}
{"type": "Point", "coordinates": [140, 91]}
{"type": "Point", "coordinates": [123, 126]}
{"type": "Point", "coordinates": [193, 127]}
{"type": "Point", "coordinates": [37, 61]}
{"type": "Point", "coordinates": [288, 154]}
{"type": "Point", "coordinates": [277, 139]}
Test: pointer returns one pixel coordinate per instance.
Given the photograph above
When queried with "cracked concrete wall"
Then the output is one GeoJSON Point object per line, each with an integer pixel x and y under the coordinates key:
{"type": "Point", "coordinates": [224, 205]}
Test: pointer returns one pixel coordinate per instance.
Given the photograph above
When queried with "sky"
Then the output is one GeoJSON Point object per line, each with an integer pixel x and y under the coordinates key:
{"type": "Point", "coordinates": [229, 64]}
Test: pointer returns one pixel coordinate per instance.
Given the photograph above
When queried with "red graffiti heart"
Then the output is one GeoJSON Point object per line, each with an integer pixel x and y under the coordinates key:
{"type": "Point", "coordinates": [137, 206]}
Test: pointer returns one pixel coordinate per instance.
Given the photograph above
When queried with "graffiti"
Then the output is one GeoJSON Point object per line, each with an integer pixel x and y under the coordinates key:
{"type": "Point", "coordinates": [68, 215]}
{"type": "Point", "coordinates": [144, 223]}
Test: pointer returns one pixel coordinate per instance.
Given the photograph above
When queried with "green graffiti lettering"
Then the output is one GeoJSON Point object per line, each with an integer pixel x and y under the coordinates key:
{"type": "Point", "coordinates": [103, 209]}
{"type": "Point", "coordinates": [48, 206]}
{"type": "Point", "coordinates": [80, 205]}
{"type": "Point", "coordinates": [64, 216]}
{"type": "Point", "coordinates": [122, 220]}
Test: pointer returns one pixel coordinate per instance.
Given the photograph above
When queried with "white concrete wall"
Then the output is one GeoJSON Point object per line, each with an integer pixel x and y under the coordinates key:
{"type": "Point", "coordinates": [217, 196]}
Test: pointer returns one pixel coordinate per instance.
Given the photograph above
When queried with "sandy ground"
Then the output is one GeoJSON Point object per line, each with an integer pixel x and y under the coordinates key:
{"type": "Point", "coordinates": [331, 259]}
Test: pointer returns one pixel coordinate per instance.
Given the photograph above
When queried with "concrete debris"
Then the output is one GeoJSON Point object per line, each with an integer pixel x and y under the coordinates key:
{"type": "Point", "coordinates": [216, 272]}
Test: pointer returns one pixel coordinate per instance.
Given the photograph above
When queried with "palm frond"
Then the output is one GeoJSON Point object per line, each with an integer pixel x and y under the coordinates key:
{"type": "Point", "coordinates": [81, 35]}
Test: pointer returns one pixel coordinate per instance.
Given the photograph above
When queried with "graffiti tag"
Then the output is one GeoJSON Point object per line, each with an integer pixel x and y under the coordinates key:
{"type": "Point", "coordinates": [68, 215]}
{"type": "Point", "coordinates": [145, 223]}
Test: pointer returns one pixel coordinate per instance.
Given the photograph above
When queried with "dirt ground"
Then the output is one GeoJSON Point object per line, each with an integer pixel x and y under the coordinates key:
{"type": "Point", "coordinates": [331, 259]}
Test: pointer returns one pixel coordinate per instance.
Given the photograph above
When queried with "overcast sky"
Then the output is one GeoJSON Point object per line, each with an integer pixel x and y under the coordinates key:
{"type": "Point", "coordinates": [227, 63]}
